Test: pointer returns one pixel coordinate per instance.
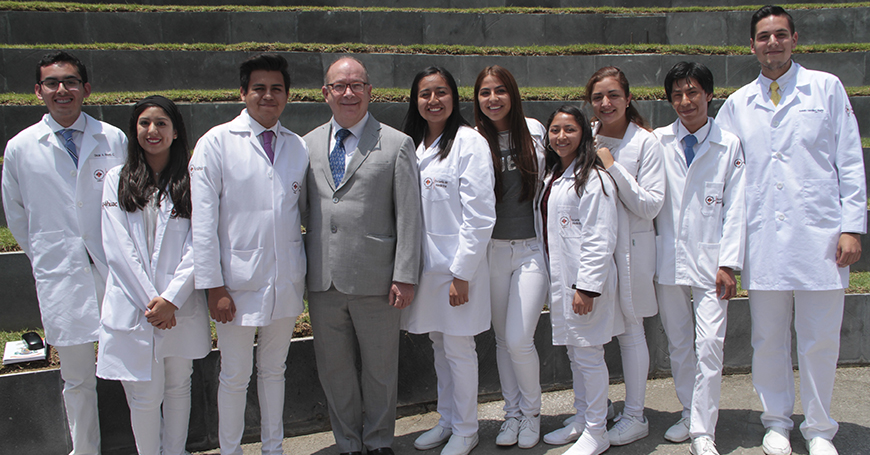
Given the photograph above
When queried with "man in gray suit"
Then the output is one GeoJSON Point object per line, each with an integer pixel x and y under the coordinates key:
{"type": "Point", "coordinates": [363, 247]}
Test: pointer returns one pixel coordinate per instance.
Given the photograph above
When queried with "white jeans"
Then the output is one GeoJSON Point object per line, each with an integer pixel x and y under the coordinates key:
{"type": "Point", "coordinates": [697, 372]}
{"type": "Point", "coordinates": [635, 367]}
{"type": "Point", "coordinates": [169, 386]}
{"type": "Point", "coordinates": [518, 284]}
{"type": "Point", "coordinates": [456, 367]}
{"type": "Point", "coordinates": [236, 345]}
{"type": "Point", "coordinates": [79, 372]}
{"type": "Point", "coordinates": [818, 316]}
{"type": "Point", "coordinates": [590, 386]}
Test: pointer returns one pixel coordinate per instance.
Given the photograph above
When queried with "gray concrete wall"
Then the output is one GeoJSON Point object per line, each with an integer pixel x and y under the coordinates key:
{"type": "Point", "coordinates": [457, 3]}
{"type": "Point", "coordinates": [822, 26]}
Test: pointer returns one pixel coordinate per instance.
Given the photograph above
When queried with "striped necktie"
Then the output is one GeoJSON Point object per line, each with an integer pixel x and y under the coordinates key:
{"type": "Point", "coordinates": [67, 135]}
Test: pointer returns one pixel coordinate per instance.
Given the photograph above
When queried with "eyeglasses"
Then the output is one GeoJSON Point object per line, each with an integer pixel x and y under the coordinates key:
{"type": "Point", "coordinates": [71, 83]}
{"type": "Point", "coordinates": [356, 87]}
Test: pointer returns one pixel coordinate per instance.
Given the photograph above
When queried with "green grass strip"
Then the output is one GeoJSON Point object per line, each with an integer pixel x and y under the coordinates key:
{"type": "Point", "coordinates": [7, 241]}
{"type": "Point", "coordinates": [442, 49]}
{"type": "Point", "coordinates": [119, 8]}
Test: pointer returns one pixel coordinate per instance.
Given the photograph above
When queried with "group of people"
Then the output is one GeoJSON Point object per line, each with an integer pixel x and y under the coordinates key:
{"type": "Point", "coordinates": [444, 228]}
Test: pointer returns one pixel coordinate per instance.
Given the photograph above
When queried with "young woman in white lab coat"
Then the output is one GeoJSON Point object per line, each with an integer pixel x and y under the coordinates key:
{"type": "Point", "coordinates": [579, 225]}
{"type": "Point", "coordinates": [634, 158]}
{"type": "Point", "coordinates": [153, 321]}
{"type": "Point", "coordinates": [518, 278]}
{"type": "Point", "coordinates": [452, 302]}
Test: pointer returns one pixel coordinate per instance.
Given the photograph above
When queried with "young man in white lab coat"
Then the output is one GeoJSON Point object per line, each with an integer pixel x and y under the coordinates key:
{"type": "Point", "coordinates": [806, 208]}
{"type": "Point", "coordinates": [52, 190]}
{"type": "Point", "coordinates": [701, 232]}
{"type": "Point", "coordinates": [247, 181]}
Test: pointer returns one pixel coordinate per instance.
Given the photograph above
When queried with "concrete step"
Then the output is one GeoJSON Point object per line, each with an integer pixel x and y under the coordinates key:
{"type": "Point", "coordinates": [816, 26]}
{"type": "Point", "coordinates": [121, 70]}
{"type": "Point", "coordinates": [462, 4]}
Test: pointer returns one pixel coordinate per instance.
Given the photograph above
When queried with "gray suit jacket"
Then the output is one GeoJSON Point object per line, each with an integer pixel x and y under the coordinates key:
{"type": "Point", "coordinates": [366, 233]}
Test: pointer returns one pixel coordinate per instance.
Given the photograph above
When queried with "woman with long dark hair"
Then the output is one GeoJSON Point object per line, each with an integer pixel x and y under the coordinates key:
{"type": "Point", "coordinates": [579, 212]}
{"type": "Point", "coordinates": [153, 321]}
{"type": "Point", "coordinates": [517, 270]}
{"type": "Point", "coordinates": [451, 303]}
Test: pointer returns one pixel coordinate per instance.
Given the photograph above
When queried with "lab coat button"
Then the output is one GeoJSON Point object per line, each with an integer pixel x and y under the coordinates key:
{"type": "Point", "coordinates": [333, 229]}
{"type": "Point", "coordinates": [85, 237]}
{"type": "Point", "coordinates": [72, 173]}
{"type": "Point", "coordinates": [780, 217]}
{"type": "Point", "coordinates": [779, 186]}
{"type": "Point", "coordinates": [775, 123]}
{"type": "Point", "coordinates": [81, 204]}
{"type": "Point", "coordinates": [86, 269]}
{"type": "Point", "coordinates": [778, 155]}
{"type": "Point", "coordinates": [335, 200]}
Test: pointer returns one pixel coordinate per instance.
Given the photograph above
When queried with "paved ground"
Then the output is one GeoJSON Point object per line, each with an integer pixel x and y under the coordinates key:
{"type": "Point", "coordinates": [739, 430]}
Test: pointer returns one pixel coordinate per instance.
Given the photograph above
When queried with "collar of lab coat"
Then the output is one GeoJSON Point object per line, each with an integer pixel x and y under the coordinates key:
{"type": "Point", "coordinates": [245, 124]}
{"type": "Point", "coordinates": [137, 232]}
{"type": "Point", "coordinates": [671, 135]}
{"type": "Point", "coordinates": [756, 93]}
{"type": "Point", "coordinates": [92, 135]}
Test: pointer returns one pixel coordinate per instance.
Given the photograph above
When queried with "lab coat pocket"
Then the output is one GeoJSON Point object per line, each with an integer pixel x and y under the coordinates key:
{"type": "Point", "coordinates": [820, 203]}
{"type": "Point", "coordinates": [643, 267]}
{"type": "Point", "coordinates": [118, 313]}
{"type": "Point", "coordinates": [712, 198]}
{"type": "Point", "coordinates": [708, 263]}
{"type": "Point", "coordinates": [99, 168]}
{"type": "Point", "coordinates": [52, 257]}
{"type": "Point", "coordinates": [439, 252]}
{"type": "Point", "coordinates": [241, 273]}
{"type": "Point", "coordinates": [436, 187]}
{"type": "Point", "coordinates": [808, 132]}
{"type": "Point", "coordinates": [570, 225]}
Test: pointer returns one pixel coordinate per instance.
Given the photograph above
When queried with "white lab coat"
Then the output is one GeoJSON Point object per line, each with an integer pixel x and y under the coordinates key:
{"type": "Point", "coordinates": [128, 342]}
{"type": "Point", "coordinates": [639, 174]}
{"type": "Point", "coordinates": [804, 181]}
{"type": "Point", "coordinates": [458, 216]}
{"type": "Point", "coordinates": [702, 225]}
{"type": "Point", "coordinates": [581, 237]}
{"type": "Point", "coordinates": [246, 219]}
{"type": "Point", "coordinates": [53, 210]}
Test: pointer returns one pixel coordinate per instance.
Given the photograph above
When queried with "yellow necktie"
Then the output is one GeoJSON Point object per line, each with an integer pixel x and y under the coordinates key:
{"type": "Point", "coordinates": [774, 93]}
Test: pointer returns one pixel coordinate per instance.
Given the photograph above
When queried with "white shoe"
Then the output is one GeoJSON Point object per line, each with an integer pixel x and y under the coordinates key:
{"type": "Point", "coordinates": [433, 438]}
{"type": "Point", "coordinates": [776, 442]}
{"type": "Point", "coordinates": [679, 431]}
{"type": "Point", "coordinates": [507, 435]}
{"type": "Point", "coordinates": [611, 413]}
{"type": "Point", "coordinates": [460, 445]}
{"type": "Point", "coordinates": [627, 430]}
{"type": "Point", "coordinates": [703, 445]}
{"type": "Point", "coordinates": [530, 432]}
{"type": "Point", "coordinates": [567, 434]}
{"type": "Point", "coordinates": [589, 444]}
{"type": "Point", "coordinates": [821, 446]}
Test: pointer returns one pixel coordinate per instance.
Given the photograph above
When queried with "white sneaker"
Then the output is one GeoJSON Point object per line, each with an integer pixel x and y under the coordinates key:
{"type": "Point", "coordinates": [821, 446]}
{"type": "Point", "coordinates": [433, 438]}
{"type": "Point", "coordinates": [507, 435]}
{"type": "Point", "coordinates": [460, 445]}
{"type": "Point", "coordinates": [679, 431]}
{"type": "Point", "coordinates": [567, 434]}
{"type": "Point", "coordinates": [611, 413]}
{"type": "Point", "coordinates": [530, 432]}
{"type": "Point", "coordinates": [776, 442]}
{"type": "Point", "coordinates": [703, 445]}
{"type": "Point", "coordinates": [627, 430]}
{"type": "Point", "coordinates": [589, 444]}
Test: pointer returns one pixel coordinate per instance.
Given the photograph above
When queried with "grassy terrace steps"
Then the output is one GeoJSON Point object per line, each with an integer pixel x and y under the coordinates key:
{"type": "Point", "coordinates": [40, 22]}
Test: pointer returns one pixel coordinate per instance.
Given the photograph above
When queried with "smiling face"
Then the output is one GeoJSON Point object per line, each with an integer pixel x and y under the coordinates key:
{"type": "Point", "coordinates": [495, 102]}
{"type": "Point", "coordinates": [63, 104]}
{"type": "Point", "coordinates": [435, 102]}
{"type": "Point", "coordinates": [772, 45]}
{"type": "Point", "coordinates": [155, 131]}
{"type": "Point", "coordinates": [609, 102]}
{"type": "Point", "coordinates": [564, 136]}
{"type": "Point", "coordinates": [266, 97]}
{"type": "Point", "coordinates": [348, 107]}
{"type": "Point", "coordinates": [690, 102]}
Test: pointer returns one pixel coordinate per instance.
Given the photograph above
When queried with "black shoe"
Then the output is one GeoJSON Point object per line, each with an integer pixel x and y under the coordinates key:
{"type": "Point", "coordinates": [382, 451]}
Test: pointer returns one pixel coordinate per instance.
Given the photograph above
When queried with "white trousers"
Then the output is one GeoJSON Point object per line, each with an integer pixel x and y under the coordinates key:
{"type": "Point", "coordinates": [635, 367]}
{"type": "Point", "coordinates": [236, 345]}
{"type": "Point", "coordinates": [78, 369]}
{"type": "Point", "coordinates": [697, 372]}
{"type": "Point", "coordinates": [518, 284]}
{"type": "Point", "coordinates": [456, 367]}
{"type": "Point", "coordinates": [590, 386]}
{"type": "Point", "coordinates": [158, 433]}
{"type": "Point", "coordinates": [818, 316]}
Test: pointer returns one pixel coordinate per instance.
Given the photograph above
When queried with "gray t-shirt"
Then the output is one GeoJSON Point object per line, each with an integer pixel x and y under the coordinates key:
{"type": "Point", "coordinates": [514, 219]}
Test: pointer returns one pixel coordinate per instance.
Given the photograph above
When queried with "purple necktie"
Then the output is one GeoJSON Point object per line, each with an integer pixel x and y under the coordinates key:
{"type": "Point", "coordinates": [267, 145]}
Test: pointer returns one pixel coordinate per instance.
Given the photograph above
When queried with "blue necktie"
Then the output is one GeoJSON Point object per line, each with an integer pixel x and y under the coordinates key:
{"type": "Point", "coordinates": [336, 157]}
{"type": "Point", "coordinates": [690, 142]}
{"type": "Point", "coordinates": [70, 145]}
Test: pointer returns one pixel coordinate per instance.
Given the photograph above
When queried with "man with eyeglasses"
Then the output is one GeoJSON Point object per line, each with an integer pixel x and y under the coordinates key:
{"type": "Point", "coordinates": [363, 247]}
{"type": "Point", "coordinates": [52, 189]}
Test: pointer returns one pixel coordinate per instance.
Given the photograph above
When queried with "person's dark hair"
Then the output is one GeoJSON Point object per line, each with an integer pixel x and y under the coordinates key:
{"type": "Point", "coordinates": [520, 142]}
{"type": "Point", "coordinates": [58, 57]}
{"type": "Point", "coordinates": [769, 10]}
{"type": "Point", "coordinates": [265, 62]}
{"type": "Point", "coordinates": [631, 112]}
{"type": "Point", "coordinates": [587, 158]}
{"type": "Point", "coordinates": [137, 178]}
{"type": "Point", "coordinates": [685, 71]}
{"type": "Point", "coordinates": [415, 125]}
